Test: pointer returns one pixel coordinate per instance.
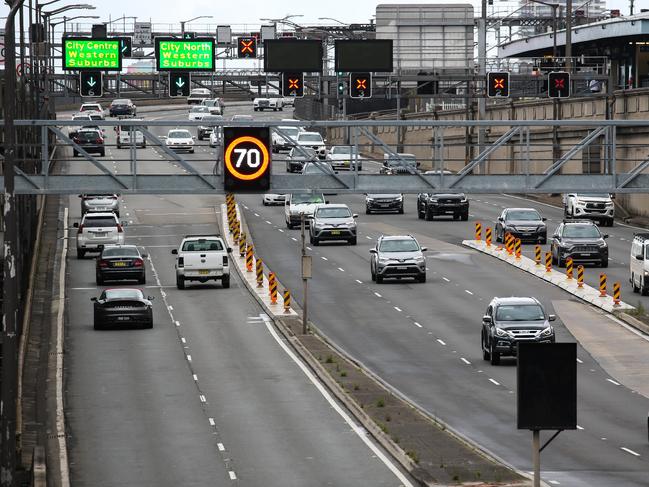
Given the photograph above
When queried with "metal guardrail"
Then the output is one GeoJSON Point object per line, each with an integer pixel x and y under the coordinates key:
{"type": "Point", "coordinates": [519, 157]}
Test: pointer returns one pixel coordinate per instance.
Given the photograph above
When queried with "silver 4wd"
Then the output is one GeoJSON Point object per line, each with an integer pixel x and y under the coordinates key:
{"type": "Point", "coordinates": [202, 258]}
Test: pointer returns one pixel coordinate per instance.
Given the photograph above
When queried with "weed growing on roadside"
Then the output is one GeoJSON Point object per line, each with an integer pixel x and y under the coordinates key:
{"type": "Point", "coordinates": [330, 359]}
{"type": "Point", "coordinates": [380, 403]}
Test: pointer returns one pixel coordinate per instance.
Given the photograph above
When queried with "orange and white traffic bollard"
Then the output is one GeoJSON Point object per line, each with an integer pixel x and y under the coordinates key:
{"type": "Point", "coordinates": [569, 267]}
{"type": "Point", "coordinates": [287, 301]}
{"type": "Point", "coordinates": [478, 231]}
{"type": "Point", "coordinates": [548, 262]}
{"type": "Point", "coordinates": [617, 293]}
{"type": "Point", "coordinates": [272, 286]}
{"type": "Point", "coordinates": [537, 255]}
{"type": "Point", "coordinates": [580, 276]}
{"type": "Point", "coordinates": [487, 236]}
{"type": "Point", "coordinates": [602, 285]}
{"type": "Point", "coordinates": [518, 249]}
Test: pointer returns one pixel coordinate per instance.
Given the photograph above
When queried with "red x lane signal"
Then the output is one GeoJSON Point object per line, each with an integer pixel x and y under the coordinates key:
{"type": "Point", "coordinates": [558, 84]}
{"type": "Point", "coordinates": [293, 84]}
{"type": "Point", "coordinates": [360, 85]}
{"type": "Point", "coordinates": [247, 47]}
{"type": "Point", "coordinates": [498, 84]}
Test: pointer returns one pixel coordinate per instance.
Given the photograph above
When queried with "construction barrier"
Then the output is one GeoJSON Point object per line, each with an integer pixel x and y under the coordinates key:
{"type": "Point", "coordinates": [602, 285]}
{"type": "Point", "coordinates": [569, 267]}
{"type": "Point", "coordinates": [548, 262]}
{"type": "Point", "coordinates": [487, 236]}
{"type": "Point", "coordinates": [242, 244]}
{"type": "Point", "coordinates": [518, 249]}
{"type": "Point", "coordinates": [287, 301]}
{"type": "Point", "coordinates": [249, 258]}
{"type": "Point", "coordinates": [617, 293]}
{"type": "Point", "coordinates": [260, 273]}
{"type": "Point", "coordinates": [580, 276]}
{"type": "Point", "coordinates": [537, 255]}
{"type": "Point", "coordinates": [478, 231]}
{"type": "Point", "coordinates": [272, 286]}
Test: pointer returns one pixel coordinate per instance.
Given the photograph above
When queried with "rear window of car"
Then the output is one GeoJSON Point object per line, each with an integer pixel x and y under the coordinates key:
{"type": "Point", "coordinates": [95, 222]}
{"type": "Point", "coordinates": [88, 136]}
{"type": "Point", "coordinates": [121, 252]}
{"type": "Point", "coordinates": [202, 245]}
{"type": "Point", "coordinates": [123, 294]}
{"type": "Point", "coordinates": [309, 138]}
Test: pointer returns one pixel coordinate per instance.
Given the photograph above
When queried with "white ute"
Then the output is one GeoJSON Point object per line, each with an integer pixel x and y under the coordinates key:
{"type": "Point", "coordinates": [202, 258]}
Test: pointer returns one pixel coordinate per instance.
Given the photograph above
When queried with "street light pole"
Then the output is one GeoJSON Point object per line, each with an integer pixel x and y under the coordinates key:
{"type": "Point", "coordinates": [8, 386]}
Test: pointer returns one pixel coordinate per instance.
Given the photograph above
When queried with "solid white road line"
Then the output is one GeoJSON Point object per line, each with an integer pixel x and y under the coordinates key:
{"type": "Point", "coordinates": [362, 434]}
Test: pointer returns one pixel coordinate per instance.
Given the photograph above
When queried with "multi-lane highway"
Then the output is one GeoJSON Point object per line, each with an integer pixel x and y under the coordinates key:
{"type": "Point", "coordinates": [210, 393]}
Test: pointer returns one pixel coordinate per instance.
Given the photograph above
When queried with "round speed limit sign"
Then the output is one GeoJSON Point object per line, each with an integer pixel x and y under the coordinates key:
{"type": "Point", "coordinates": [247, 158]}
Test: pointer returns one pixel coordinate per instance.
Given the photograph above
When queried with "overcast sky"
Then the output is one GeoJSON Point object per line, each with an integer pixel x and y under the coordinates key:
{"type": "Point", "coordinates": [250, 11]}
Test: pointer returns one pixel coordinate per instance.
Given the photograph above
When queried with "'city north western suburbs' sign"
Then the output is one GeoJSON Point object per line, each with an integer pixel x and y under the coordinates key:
{"type": "Point", "coordinates": [83, 53]}
{"type": "Point", "coordinates": [186, 55]}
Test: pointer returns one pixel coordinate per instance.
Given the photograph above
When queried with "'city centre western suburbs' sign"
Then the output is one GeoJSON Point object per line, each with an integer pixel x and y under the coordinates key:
{"type": "Point", "coordinates": [185, 55]}
{"type": "Point", "coordinates": [84, 53]}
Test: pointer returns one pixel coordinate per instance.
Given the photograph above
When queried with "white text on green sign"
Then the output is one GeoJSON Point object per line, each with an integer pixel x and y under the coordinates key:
{"type": "Point", "coordinates": [92, 54]}
{"type": "Point", "coordinates": [186, 55]}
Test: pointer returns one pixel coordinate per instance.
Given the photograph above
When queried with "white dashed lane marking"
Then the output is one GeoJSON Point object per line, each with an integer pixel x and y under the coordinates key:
{"type": "Point", "coordinates": [446, 279]}
{"type": "Point", "coordinates": [220, 446]}
{"type": "Point", "coordinates": [358, 281]}
{"type": "Point", "coordinates": [324, 258]}
{"type": "Point", "coordinates": [377, 295]}
{"type": "Point", "coordinates": [580, 428]}
{"type": "Point", "coordinates": [494, 381]}
{"type": "Point", "coordinates": [341, 269]}
{"type": "Point", "coordinates": [630, 451]}
{"type": "Point", "coordinates": [233, 476]}
{"type": "Point", "coordinates": [417, 325]}
{"type": "Point", "coordinates": [468, 292]}
{"type": "Point", "coordinates": [465, 361]}
{"type": "Point", "coordinates": [613, 382]}
{"type": "Point", "coordinates": [189, 358]}
{"type": "Point", "coordinates": [441, 342]}
{"type": "Point", "coordinates": [398, 309]}
{"type": "Point", "coordinates": [212, 422]}
{"type": "Point", "coordinates": [202, 398]}
{"type": "Point", "coordinates": [579, 361]}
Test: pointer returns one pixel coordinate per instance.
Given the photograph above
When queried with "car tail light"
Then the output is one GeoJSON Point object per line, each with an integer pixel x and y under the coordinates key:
{"type": "Point", "coordinates": [120, 229]}
{"type": "Point", "coordinates": [103, 263]}
{"type": "Point", "coordinates": [138, 263]}
{"type": "Point", "coordinates": [99, 141]}
{"type": "Point", "coordinates": [80, 228]}
{"type": "Point", "coordinates": [181, 261]}
{"type": "Point", "coordinates": [225, 260]}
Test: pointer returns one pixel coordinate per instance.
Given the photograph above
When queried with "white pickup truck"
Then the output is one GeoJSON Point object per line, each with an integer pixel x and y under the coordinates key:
{"type": "Point", "coordinates": [202, 258]}
{"type": "Point", "coordinates": [595, 206]}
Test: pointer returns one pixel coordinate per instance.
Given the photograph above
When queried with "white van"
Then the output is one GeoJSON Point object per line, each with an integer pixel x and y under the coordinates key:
{"type": "Point", "coordinates": [124, 136]}
{"type": "Point", "coordinates": [639, 264]}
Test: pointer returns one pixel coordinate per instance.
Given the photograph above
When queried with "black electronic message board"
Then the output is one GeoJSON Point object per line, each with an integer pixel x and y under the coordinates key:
{"type": "Point", "coordinates": [364, 55]}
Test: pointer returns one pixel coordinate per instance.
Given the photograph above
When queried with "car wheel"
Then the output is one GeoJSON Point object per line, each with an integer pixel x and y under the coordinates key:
{"type": "Point", "coordinates": [368, 211]}
{"type": "Point", "coordinates": [636, 289]}
{"type": "Point", "coordinates": [315, 241]}
{"type": "Point", "coordinates": [102, 153]}
{"type": "Point", "coordinates": [465, 216]}
{"type": "Point", "coordinates": [97, 324]}
{"type": "Point", "coordinates": [561, 262]}
{"type": "Point", "coordinates": [611, 222]}
{"type": "Point", "coordinates": [352, 241]}
{"type": "Point", "coordinates": [75, 153]}
{"type": "Point", "coordinates": [429, 214]}
{"type": "Point", "coordinates": [485, 351]}
{"type": "Point", "coordinates": [543, 241]}
{"type": "Point", "coordinates": [422, 278]}
{"type": "Point", "coordinates": [119, 146]}
{"type": "Point", "coordinates": [373, 274]}
{"type": "Point", "coordinates": [143, 146]}
{"type": "Point", "coordinates": [99, 279]}
{"type": "Point", "coordinates": [180, 282]}
{"type": "Point", "coordinates": [401, 211]}
{"type": "Point", "coordinates": [644, 288]}
{"type": "Point", "coordinates": [263, 202]}
{"type": "Point", "coordinates": [225, 281]}
{"type": "Point", "coordinates": [289, 226]}
{"type": "Point", "coordinates": [142, 280]}
{"type": "Point", "coordinates": [200, 137]}
{"type": "Point", "coordinates": [494, 356]}
{"type": "Point", "coordinates": [191, 151]}
{"type": "Point", "coordinates": [81, 254]}
{"type": "Point", "coordinates": [604, 263]}
{"type": "Point", "coordinates": [379, 279]}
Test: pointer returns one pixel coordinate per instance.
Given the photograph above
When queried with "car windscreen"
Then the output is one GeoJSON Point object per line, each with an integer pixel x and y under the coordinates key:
{"type": "Point", "coordinates": [310, 138]}
{"type": "Point", "coordinates": [120, 252]}
{"type": "Point", "coordinates": [95, 117]}
{"type": "Point", "coordinates": [333, 213]}
{"type": "Point", "coordinates": [101, 221]}
{"type": "Point", "coordinates": [306, 152]}
{"type": "Point", "coordinates": [201, 109]}
{"type": "Point", "coordinates": [179, 134]}
{"type": "Point", "coordinates": [300, 199]}
{"type": "Point", "coordinates": [594, 195]}
{"type": "Point", "coordinates": [210, 103]}
{"type": "Point", "coordinates": [212, 118]}
{"type": "Point", "coordinates": [393, 196]}
{"type": "Point", "coordinates": [581, 231]}
{"type": "Point", "coordinates": [123, 294]}
{"type": "Point", "coordinates": [519, 312]}
{"type": "Point", "coordinates": [316, 169]}
{"type": "Point", "coordinates": [88, 108]}
{"type": "Point", "coordinates": [202, 245]}
{"type": "Point", "coordinates": [405, 245]}
{"type": "Point", "coordinates": [523, 215]}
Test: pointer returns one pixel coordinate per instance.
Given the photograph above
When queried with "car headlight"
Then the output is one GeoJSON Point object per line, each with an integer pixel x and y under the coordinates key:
{"type": "Point", "coordinates": [501, 333]}
{"type": "Point", "coordinates": [420, 260]}
{"type": "Point", "coordinates": [432, 200]}
{"type": "Point", "coordinates": [547, 332]}
{"type": "Point", "coordinates": [602, 244]}
{"type": "Point", "coordinates": [399, 198]}
{"type": "Point", "coordinates": [383, 260]}
{"type": "Point", "coordinates": [464, 200]}
{"type": "Point", "coordinates": [369, 200]}
{"type": "Point", "coordinates": [580, 203]}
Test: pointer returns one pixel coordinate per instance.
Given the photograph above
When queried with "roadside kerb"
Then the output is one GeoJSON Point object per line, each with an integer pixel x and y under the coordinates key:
{"type": "Point", "coordinates": [280, 319]}
{"type": "Point", "coordinates": [586, 293]}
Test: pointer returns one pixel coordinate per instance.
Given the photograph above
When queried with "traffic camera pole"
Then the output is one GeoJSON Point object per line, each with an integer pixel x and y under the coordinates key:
{"type": "Point", "coordinates": [8, 387]}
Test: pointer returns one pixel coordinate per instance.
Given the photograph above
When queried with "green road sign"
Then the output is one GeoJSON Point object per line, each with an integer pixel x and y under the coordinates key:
{"type": "Point", "coordinates": [184, 55]}
{"type": "Point", "coordinates": [83, 53]}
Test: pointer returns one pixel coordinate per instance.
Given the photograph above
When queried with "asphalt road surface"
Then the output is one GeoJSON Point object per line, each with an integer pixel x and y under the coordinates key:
{"type": "Point", "coordinates": [421, 339]}
{"type": "Point", "coordinates": [210, 395]}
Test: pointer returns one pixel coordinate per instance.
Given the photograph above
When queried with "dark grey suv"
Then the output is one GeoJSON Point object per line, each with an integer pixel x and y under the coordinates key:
{"type": "Point", "coordinates": [581, 240]}
{"type": "Point", "coordinates": [397, 257]}
{"type": "Point", "coordinates": [512, 320]}
{"type": "Point", "coordinates": [524, 223]}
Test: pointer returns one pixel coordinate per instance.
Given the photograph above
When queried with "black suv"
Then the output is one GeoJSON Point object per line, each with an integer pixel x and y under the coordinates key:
{"type": "Point", "coordinates": [524, 223]}
{"type": "Point", "coordinates": [512, 320]}
{"type": "Point", "coordinates": [581, 240]}
{"type": "Point", "coordinates": [435, 204]}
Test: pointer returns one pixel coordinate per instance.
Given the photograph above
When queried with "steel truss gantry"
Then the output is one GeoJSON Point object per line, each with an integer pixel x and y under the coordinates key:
{"type": "Point", "coordinates": [480, 174]}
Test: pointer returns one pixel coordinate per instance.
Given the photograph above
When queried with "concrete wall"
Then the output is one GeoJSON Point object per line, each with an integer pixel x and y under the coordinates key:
{"type": "Point", "coordinates": [460, 146]}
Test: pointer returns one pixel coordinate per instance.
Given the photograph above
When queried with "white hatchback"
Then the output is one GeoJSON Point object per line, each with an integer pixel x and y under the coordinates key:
{"type": "Point", "coordinates": [180, 140]}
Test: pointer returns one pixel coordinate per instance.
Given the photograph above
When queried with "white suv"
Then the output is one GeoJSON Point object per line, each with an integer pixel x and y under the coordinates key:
{"type": "Point", "coordinates": [639, 264]}
{"type": "Point", "coordinates": [313, 140]}
{"type": "Point", "coordinates": [97, 230]}
{"type": "Point", "coordinates": [598, 207]}
{"type": "Point", "coordinates": [202, 258]}
{"type": "Point", "coordinates": [261, 104]}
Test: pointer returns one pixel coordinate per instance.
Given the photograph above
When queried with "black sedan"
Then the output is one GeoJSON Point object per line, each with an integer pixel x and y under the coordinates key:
{"type": "Point", "coordinates": [122, 307]}
{"type": "Point", "coordinates": [120, 262]}
{"type": "Point", "coordinates": [122, 107]}
{"type": "Point", "coordinates": [524, 223]}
